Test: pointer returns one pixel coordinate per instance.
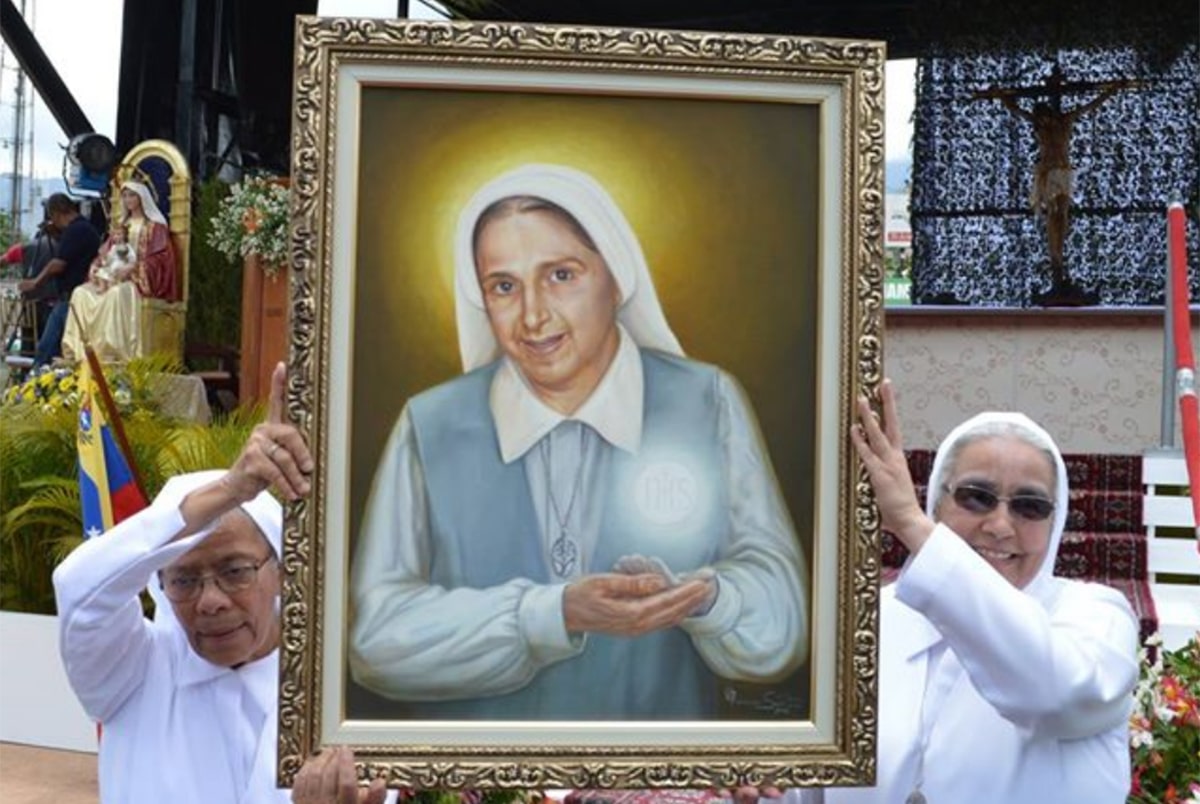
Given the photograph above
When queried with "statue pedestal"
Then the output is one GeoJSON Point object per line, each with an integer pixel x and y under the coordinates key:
{"type": "Point", "coordinates": [1065, 293]}
{"type": "Point", "coordinates": [264, 329]}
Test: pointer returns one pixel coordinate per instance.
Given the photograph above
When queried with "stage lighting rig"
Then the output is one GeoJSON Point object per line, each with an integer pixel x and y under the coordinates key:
{"type": "Point", "coordinates": [87, 164]}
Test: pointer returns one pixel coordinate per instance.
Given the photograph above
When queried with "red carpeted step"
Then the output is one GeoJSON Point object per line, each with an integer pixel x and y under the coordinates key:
{"type": "Point", "coordinates": [1139, 597]}
{"type": "Point", "coordinates": [1104, 472]}
{"type": "Point", "coordinates": [1094, 472]}
{"type": "Point", "coordinates": [1090, 556]}
{"type": "Point", "coordinates": [1107, 511]}
{"type": "Point", "coordinates": [892, 553]}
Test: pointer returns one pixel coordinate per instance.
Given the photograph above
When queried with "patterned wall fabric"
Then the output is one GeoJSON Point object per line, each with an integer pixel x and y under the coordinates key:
{"type": "Point", "coordinates": [1094, 379]}
{"type": "Point", "coordinates": [976, 239]}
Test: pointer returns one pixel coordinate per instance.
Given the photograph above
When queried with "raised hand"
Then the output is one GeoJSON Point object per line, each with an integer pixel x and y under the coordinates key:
{"type": "Point", "coordinates": [630, 605]}
{"type": "Point", "coordinates": [881, 449]}
{"type": "Point", "coordinates": [329, 778]}
{"type": "Point", "coordinates": [275, 454]}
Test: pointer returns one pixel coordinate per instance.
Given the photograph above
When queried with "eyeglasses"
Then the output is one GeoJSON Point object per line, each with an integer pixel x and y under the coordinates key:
{"type": "Point", "coordinates": [982, 500]}
{"type": "Point", "coordinates": [184, 587]}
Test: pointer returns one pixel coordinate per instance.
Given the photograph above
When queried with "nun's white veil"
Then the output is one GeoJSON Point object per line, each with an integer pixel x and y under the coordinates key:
{"type": "Point", "coordinates": [1019, 426]}
{"type": "Point", "coordinates": [590, 204]}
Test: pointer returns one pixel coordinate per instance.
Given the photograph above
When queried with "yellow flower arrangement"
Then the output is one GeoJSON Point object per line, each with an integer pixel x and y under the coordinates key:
{"type": "Point", "coordinates": [49, 388]}
{"type": "Point", "coordinates": [53, 388]}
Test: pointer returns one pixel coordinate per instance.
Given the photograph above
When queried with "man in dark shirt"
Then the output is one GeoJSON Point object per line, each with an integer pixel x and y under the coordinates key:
{"type": "Point", "coordinates": [78, 243]}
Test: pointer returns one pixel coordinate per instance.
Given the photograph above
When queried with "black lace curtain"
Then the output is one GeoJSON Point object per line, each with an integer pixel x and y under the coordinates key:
{"type": "Point", "coordinates": [976, 239]}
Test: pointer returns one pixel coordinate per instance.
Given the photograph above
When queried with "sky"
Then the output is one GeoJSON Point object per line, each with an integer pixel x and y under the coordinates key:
{"type": "Point", "coordinates": [87, 55]}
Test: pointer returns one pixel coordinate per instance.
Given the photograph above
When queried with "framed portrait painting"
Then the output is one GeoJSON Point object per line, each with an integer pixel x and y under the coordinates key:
{"type": "Point", "coordinates": [578, 316]}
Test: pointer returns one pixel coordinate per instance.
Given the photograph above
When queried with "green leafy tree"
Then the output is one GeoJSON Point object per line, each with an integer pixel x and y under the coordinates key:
{"type": "Point", "coordinates": [8, 230]}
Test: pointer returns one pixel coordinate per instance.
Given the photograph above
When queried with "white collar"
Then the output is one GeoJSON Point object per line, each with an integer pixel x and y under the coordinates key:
{"type": "Point", "coordinates": [614, 410]}
{"type": "Point", "coordinates": [920, 635]}
{"type": "Point", "coordinates": [259, 676]}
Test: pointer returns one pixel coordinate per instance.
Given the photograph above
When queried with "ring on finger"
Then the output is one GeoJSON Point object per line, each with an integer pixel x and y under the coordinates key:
{"type": "Point", "coordinates": [271, 450]}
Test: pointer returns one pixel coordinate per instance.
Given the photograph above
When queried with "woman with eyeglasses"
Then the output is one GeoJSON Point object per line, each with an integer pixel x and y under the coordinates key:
{"type": "Point", "coordinates": [998, 683]}
{"type": "Point", "coordinates": [188, 700]}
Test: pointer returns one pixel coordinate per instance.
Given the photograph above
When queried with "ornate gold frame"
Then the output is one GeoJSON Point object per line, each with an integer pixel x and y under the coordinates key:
{"type": "Point", "coordinates": [845, 78]}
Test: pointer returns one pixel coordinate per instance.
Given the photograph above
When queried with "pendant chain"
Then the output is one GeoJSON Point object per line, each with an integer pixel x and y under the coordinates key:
{"type": "Point", "coordinates": [564, 553]}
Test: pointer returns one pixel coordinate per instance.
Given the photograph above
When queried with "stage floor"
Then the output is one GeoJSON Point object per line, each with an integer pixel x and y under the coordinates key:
{"type": "Point", "coordinates": [31, 775]}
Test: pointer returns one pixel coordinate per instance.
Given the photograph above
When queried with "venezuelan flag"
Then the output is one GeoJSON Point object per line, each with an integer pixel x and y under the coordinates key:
{"type": "Point", "coordinates": [108, 490]}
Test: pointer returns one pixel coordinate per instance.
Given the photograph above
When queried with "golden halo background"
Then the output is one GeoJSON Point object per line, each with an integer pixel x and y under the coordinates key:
{"type": "Point", "coordinates": [723, 195]}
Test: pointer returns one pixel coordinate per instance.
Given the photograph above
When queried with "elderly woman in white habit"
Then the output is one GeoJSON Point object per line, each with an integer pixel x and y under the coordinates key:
{"type": "Point", "coordinates": [137, 261]}
{"type": "Point", "coordinates": [188, 701]}
{"type": "Point", "coordinates": [586, 523]}
{"type": "Point", "coordinates": [998, 682]}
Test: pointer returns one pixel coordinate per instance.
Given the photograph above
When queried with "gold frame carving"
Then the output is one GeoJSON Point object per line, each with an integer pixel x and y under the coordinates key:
{"type": "Point", "coordinates": [848, 75]}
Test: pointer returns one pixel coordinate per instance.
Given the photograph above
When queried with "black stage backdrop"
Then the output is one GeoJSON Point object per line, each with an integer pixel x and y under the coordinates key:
{"type": "Point", "coordinates": [975, 238]}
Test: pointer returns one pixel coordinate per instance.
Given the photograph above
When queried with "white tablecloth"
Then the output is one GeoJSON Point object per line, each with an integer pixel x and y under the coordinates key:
{"type": "Point", "coordinates": [183, 396]}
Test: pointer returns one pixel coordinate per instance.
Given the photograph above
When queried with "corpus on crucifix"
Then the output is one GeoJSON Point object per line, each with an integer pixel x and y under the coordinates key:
{"type": "Point", "coordinates": [1054, 176]}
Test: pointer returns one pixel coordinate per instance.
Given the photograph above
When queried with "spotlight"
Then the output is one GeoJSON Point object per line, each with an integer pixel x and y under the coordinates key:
{"type": "Point", "coordinates": [89, 159]}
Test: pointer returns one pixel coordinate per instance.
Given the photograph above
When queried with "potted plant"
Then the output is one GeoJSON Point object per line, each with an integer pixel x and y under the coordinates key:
{"type": "Point", "coordinates": [1165, 726]}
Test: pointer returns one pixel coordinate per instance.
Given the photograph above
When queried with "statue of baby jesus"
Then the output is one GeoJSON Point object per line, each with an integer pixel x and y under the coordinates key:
{"type": "Point", "coordinates": [115, 263]}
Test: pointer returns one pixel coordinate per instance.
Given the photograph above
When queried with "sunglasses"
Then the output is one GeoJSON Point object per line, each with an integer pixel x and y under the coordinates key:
{"type": "Point", "coordinates": [981, 500]}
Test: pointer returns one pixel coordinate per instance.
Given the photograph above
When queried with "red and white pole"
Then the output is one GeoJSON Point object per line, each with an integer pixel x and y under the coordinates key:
{"type": "Point", "coordinates": [1185, 361]}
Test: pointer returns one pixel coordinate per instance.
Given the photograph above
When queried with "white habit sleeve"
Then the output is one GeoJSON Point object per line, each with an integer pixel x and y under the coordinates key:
{"type": "Point", "coordinates": [757, 629]}
{"type": "Point", "coordinates": [1066, 673]}
{"type": "Point", "coordinates": [411, 640]}
{"type": "Point", "coordinates": [103, 636]}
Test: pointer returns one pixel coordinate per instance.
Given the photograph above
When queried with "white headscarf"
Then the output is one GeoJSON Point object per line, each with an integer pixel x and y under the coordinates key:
{"type": "Point", "coordinates": [1019, 426]}
{"type": "Point", "coordinates": [149, 208]}
{"type": "Point", "coordinates": [589, 203]}
{"type": "Point", "coordinates": [264, 510]}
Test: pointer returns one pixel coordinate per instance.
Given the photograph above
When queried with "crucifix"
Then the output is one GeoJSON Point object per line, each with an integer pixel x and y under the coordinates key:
{"type": "Point", "coordinates": [1053, 176]}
